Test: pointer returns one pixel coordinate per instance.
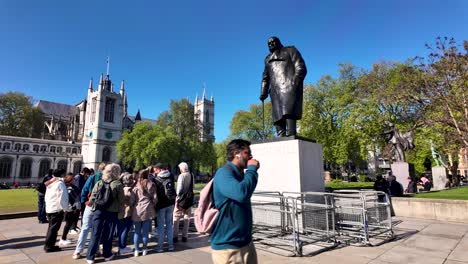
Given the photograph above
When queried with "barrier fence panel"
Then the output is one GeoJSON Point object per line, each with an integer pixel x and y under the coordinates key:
{"type": "Point", "coordinates": [305, 223]}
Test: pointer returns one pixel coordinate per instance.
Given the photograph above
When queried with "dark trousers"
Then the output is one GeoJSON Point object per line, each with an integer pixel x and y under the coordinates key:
{"type": "Point", "coordinates": [286, 127]}
{"type": "Point", "coordinates": [70, 219]}
{"type": "Point", "coordinates": [55, 221]}
{"type": "Point", "coordinates": [103, 225]}
{"type": "Point", "coordinates": [41, 213]}
{"type": "Point", "coordinates": [124, 228]}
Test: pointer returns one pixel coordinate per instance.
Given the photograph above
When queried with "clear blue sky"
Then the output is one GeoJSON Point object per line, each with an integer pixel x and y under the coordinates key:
{"type": "Point", "coordinates": [166, 49]}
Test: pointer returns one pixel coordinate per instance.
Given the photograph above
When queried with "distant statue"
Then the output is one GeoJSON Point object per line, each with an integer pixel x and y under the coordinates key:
{"type": "Point", "coordinates": [283, 79]}
{"type": "Point", "coordinates": [401, 142]}
{"type": "Point", "coordinates": [436, 156]}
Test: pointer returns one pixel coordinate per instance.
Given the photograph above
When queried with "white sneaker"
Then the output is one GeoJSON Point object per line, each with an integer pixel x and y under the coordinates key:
{"type": "Point", "coordinates": [76, 255]}
{"type": "Point", "coordinates": [110, 258]}
{"type": "Point", "coordinates": [90, 261]}
{"type": "Point", "coordinates": [144, 252]}
{"type": "Point", "coordinates": [63, 243]}
{"type": "Point", "coordinates": [73, 232]}
{"type": "Point", "coordinates": [135, 253]}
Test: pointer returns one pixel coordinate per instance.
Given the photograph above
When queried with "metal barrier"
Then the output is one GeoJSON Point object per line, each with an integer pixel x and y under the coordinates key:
{"type": "Point", "coordinates": [308, 223]}
{"type": "Point", "coordinates": [362, 216]}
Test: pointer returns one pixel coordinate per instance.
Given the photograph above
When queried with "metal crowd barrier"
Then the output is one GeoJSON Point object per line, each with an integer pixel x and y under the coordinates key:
{"type": "Point", "coordinates": [308, 223]}
{"type": "Point", "coordinates": [363, 216]}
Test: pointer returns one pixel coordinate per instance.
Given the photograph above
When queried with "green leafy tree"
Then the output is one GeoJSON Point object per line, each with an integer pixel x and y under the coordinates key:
{"type": "Point", "coordinates": [248, 125]}
{"type": "Point", "coordinates": [18, 117]}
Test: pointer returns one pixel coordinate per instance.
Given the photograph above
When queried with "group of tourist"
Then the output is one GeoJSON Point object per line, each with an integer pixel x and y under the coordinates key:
{"type": "Point", "coordinates": [111, 204]}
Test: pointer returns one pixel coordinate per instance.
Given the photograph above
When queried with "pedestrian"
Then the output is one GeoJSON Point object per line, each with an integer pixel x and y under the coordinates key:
{"type": "Point", "coordinates": [80, 181]}
{"type": "Point", "coordinates": [165, 206]}
{"type": "Point", "coordinates": [41, 190]}
{"type": "Point", "coordinates": [231, 240]}
{"type": "Point", "coordinates": [105, 218]}
{"type": "Point", "coordinates": [125, 215]}
{"type": "Point", "coordinates": [144, 200]}
{"type": "Point", "coordinates": [426, 183]}
{"type": "Point", "coordinates": [73, 211]}
{"type": "Point", "coordinates": [412, 187]}
{"type": "Point", "coordinates": [56, 200]}
{"type": "Point", "coordinates": [87, 218]}
{"type": "Point", "coordinates": [395, 188]}
{"type": "Point", "coordinates": [184, 187]}
{"type": "Point", "coordinates": [381, 185]}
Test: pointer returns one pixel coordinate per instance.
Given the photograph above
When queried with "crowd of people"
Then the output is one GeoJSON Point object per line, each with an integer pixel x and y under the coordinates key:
{"type": "Point", "coordinates": [111, 204]}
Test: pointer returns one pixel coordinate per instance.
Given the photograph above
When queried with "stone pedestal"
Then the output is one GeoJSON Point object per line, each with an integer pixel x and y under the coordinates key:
{"type": "Point", "coordinates": [401, 170]}
{"type": "Point", "coordinates": [289, 165]}
{"type": "Point", "coordinates": [439, 177]}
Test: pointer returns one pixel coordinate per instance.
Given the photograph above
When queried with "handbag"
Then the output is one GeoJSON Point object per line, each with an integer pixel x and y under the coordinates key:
{"type": "Point", "coordinates": [185, 200]}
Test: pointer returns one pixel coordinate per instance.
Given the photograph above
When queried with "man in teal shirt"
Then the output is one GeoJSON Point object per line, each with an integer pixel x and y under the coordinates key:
{"type": "Point", "coordinates": [231, 239]}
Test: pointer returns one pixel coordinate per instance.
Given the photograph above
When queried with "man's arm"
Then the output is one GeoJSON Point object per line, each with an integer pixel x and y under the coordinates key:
{"type": "Point", "coordinates": [240, 191]}
{"type": "Point", "coordinates": [300, 67]}
{"type": "Point", "coordinates": [86, 189]}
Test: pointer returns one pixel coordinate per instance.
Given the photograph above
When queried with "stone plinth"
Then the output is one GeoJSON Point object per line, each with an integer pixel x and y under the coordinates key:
{"type": "Point", "coordinates": [401, 170]}
{"type": "Point", "coordinates": [289, 165]}
{"type": "Point", "coordinates": [439, 177]}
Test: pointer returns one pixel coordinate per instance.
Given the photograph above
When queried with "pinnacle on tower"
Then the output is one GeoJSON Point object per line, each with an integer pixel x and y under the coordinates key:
{"type": "Point", "coordinates": [196, 99]}
{"type": "Point", "coordinates": [204, 93]}
{"type": "Point", "coordinates": [138, 116]}
{"type": "Point", "coordinates": [122, 87]}
{"type": "Point", "coordinates": [90, 87]}
{"type": "Point", "coordinates": [101, 82]}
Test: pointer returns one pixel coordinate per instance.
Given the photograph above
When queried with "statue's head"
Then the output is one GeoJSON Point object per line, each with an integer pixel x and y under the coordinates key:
{"type": "Point", "coordinates": [274, 44]}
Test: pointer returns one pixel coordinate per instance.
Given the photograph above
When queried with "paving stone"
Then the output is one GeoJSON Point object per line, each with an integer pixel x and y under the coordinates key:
{"type": "Point", "coordinates": [402, 254]}
{"type": "Point", "coordinates": [460, 253]}
{"type": "Point", "coordinates": [9, 251]}
{"type": "Point", "coordinates": [455, 262]}
{"type": "Point", "coordinates": [432, 243]}
{"type": "Point", "coordinates": [455, 231]}
{"type": "Point", "coordinates": [13, 258]}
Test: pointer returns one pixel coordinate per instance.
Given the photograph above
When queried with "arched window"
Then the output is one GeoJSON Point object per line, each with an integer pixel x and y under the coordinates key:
{"type": "Point", "coordinates": [106, 154]}
{"type": "Point", "coordinates": [36, 148]}
{"type": "Point", "coordinates": [5, 167]}
{"type": "Point", "coordinates": [59, 150]}
{"type": "Point", "coordinates": [25, 168]}
{"type": "Point", "coordinates": [74, 151]}
{"type": "Point", "coordinates": [25, 147]}
{"type": "Point", "coordinates": [52, 149]}
{"type": "Point", "coordinates": [68, 150]}
{"type": "Point", "coordinates": [77, 167]}
{"type": "Point", "coordinates": [44, 168]}
{"type": "Point", "coordinates": [43, 148]}
{"type": "Point", "coordinates": [17, 146]}
{"type": "Point", "coordinates": [6, 146]}
{"type": "Point", "coordinates": [109, 110]}
{"type": "Point", "coordinates": [63, 164]}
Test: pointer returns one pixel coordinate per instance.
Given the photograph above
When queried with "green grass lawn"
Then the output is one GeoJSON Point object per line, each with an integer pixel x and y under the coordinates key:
{"type": "Point", "coordinates": [18, 200]}
{"type": "Point", "coordinates": [460, 193]}
{"type": "Point", "coordinates": [349, 185]}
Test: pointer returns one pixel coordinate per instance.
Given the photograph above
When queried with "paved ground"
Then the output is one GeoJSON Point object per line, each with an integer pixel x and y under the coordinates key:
{"type": "Point", "coordinates": [418, 241]}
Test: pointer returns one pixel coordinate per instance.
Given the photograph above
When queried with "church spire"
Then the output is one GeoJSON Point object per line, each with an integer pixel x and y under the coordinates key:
{"type": "Point", "coordinates": [196, 99]}
{"type": "Point", "coordinates": [101, 82]}
{"type": "Point", "coordinates": [90, 87]}
{"type": "Point", "coordinates": [108, 65]}
{"type": "Point", "coordinates": [122, 87]}
{"type": "Point", "coordinates": [204, 91]}
{"type": "Point", "coordinates": [138, 116]}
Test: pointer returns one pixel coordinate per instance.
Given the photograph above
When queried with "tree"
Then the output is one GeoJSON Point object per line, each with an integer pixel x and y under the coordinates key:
{"type": "Point", "coordinates": [444, 79]}
{"type": "Point", "coordinates": [18, 117]}
{"type": "Point", "coordinates": [248, 125]}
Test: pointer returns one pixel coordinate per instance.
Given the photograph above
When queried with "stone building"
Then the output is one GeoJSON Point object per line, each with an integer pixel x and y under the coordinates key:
{"type": "Point", "coordinates": [204, 113]}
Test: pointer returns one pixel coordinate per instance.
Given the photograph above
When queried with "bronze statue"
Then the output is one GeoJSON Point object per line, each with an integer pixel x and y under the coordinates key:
{"type": "Point", "coordinates": [283, 79]}
{"type": "Point", "coordinates": [400, 142]}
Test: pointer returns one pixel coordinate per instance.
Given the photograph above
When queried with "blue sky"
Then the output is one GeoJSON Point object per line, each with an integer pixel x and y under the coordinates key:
{"type": "Point", "coordinates": [166, 49]}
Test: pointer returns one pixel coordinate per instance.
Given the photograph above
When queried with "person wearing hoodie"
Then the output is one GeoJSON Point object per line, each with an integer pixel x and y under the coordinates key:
{"type": "Point", "coordinates": [56, 200]}
{"type": "Point", "coordinates": [87, 218]}
{"type": "Point", "coordinates": [104, 220]}
{"type": "Point", "coordinates": [145, 200]}
{"type": "Point", "coordinates": [73, 211]}
{"type": "Point", "coordinates": [126, 211]}
{"type": "Point", "coordinates": [184, 185]}
{"type": "Point", "coordinates": [165, 206]}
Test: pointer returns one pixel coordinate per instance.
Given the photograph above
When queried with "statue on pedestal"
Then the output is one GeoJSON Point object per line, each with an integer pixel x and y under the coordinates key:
{"type": "Point", "coordinates": [400, 142]}
{"type": "Point", "coordinates": [283, 79]}
{"type": "Point", "coordinates": [436, 156]}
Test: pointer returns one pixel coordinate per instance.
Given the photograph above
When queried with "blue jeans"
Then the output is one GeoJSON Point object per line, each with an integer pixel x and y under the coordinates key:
{"type": "Point", "coordinates": [165, 219]}
{"type": "Point", "coordinates": [41, 213]}
{"type": "Point", "coordinates": [86, 225]}
{"type": "Point", "coordinates": [141, 232]}
{"type": "Point", "coordinates": [103, 224]}
{"type": "Point", "coordinates": [124, 227]}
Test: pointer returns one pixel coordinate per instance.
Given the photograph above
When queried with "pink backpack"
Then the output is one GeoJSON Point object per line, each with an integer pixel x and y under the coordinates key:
{"type": "Point", "coordinates": [206, 213]}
